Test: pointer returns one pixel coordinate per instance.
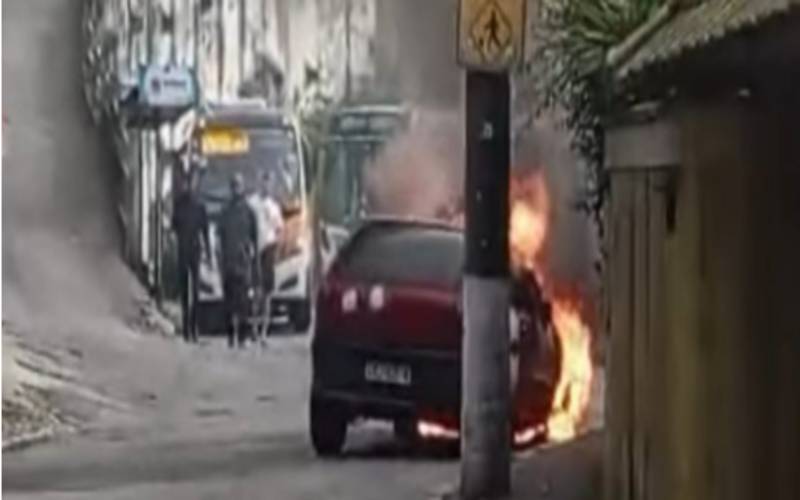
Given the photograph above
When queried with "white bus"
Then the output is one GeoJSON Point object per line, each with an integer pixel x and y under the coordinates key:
{"type": "Point", "coordinates": [355, 136]}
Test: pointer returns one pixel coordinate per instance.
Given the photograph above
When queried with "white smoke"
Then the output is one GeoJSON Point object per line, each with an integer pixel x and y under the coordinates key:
{"type": "Point", "coordinates": [60, 235]}
{"type": "Point", "coordinates": [420, 172]}
{"type": "Point", "coordinates": [572, 248]}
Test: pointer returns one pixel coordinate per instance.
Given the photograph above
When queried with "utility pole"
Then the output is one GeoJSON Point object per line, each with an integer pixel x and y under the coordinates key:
{"type": "Point", "coordinates": [348, 12]}
{"type": "Point", "coordinates": [220, 47]}
{"type": "Point", "coordinates": [196, 36]}
{"type": "Point", "coordinates": [149, 30]}
{"type": "Point", "coordinates": [174, 14]}
{"type": "Point", "coordinates": [490, 42]}
{"type": "Point", "coordinates": [242, 38]}
{"type": "Point", "coordinates": [132, 62]}
{"type": "Point", "coordinates": [486, 407]}
{"type": "Point", "coordinates": [159, 222]}
{"type": "Point", "coordinates": [155, 214]}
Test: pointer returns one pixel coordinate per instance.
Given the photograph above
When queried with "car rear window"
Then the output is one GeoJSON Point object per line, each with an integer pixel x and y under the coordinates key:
{"type": "Point", "coordinates": [404, 255]}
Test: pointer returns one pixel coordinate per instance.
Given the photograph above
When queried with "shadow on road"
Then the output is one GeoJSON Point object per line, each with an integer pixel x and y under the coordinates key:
{"type": "Point", "coordinates": [399, 450]}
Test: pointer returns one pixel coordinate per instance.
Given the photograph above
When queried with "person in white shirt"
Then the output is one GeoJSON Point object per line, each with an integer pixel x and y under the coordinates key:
{"type": "Point", "coordinates": [270, 226]}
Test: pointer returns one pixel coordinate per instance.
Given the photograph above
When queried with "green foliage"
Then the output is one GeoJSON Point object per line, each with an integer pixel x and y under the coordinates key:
{"type": "Point", "coordinates": [572, 39]}
{"type": "Point", "coordinates": [313, 104]}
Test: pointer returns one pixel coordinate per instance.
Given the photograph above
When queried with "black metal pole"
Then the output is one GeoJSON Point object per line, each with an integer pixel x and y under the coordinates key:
{"type": "Point", "coordinates": [149, 33]}
{"type": "Point", "coordinates": [486, 403]}
{"type": "Point", "coordinates": [159, 228]}
{"type": "Point", "coordinates": [174, 13]}
{"type": "Point", "coordinates": [348, 12]}
{"type": "Point", "coordinates": [196, 36]}
{"type": "Point", "coordinates": [242, 38]}
{"type": "Point", "coordinates": [132, 64]}
{"type": "Point", "coordinates": [220, 47]}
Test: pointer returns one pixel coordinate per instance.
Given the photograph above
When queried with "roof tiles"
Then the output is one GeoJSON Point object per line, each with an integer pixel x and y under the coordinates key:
{"type": "Point", "coordinates": [698, 26]}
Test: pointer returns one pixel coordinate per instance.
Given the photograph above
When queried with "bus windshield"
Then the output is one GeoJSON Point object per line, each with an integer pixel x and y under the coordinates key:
{"type": "Point", "coordinates": [356, 138]}
{"type": "Point", "coordinates": [342, 181]}
{"type": "Point", "coordinates": [272, 150]}
{"type": "Point", "coordinates": [343, 196]}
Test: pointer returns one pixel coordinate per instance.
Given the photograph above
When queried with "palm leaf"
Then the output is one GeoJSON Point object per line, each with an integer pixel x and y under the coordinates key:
{"type": "Point", "coordinates": [572, 40]}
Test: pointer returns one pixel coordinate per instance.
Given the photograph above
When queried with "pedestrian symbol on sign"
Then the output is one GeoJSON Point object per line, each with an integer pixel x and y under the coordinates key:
{"type": "Point", "coordinates": [491, 33]}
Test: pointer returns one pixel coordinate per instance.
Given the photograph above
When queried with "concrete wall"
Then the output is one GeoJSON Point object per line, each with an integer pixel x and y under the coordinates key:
{"type": "Point", "coordinates": [313, 34]}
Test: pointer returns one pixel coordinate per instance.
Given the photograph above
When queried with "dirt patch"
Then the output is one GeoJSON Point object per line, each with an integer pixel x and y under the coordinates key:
{"type": "Point", "coordinates": [148, 319]}
{"type": "Point", "coordinates": [32, 413]}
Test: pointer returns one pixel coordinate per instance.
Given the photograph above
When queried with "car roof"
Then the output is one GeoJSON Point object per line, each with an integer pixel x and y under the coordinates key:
{"type": "Point", "coordinates": [245, 114]}
{"type": "Point", "coordinates": [410, 222]}
{"type": "Point", "coordinates": [368, 109]}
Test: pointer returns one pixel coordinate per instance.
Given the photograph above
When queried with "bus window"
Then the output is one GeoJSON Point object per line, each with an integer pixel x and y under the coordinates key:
{"type": "Point", "coordinates": [343, 189]}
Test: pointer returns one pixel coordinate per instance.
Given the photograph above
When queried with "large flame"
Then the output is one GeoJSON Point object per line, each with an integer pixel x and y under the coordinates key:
{"type": "Point", "coordinates": [530, 216]}
{"type": "Point", "coordinates": [529, 226]}
{"type": "Point", "coordinates": [571, 398]}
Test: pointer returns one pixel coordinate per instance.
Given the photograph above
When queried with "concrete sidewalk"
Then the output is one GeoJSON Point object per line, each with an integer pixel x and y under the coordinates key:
{"type": "Point", "coordinates": [572, 471]}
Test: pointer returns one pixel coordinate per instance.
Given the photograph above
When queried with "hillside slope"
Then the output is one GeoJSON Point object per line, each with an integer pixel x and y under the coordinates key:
{"type": "Point", "coordinates": [65, 289]}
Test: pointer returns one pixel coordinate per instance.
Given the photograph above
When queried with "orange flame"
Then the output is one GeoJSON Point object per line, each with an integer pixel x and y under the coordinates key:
{"type": "Point", "coordinates": [529, 227]}
{"type": "Point", "coordinates": [571, 398]}
{"type": "Point", "coordinates": [529, 224]}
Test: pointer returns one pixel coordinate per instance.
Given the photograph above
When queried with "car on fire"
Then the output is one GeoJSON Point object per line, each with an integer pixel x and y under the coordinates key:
{"type": "Point", "coordinates": [388, 336]}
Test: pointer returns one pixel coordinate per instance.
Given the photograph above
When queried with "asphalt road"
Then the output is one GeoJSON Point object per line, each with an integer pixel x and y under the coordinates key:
{"type": "Point", "coordinates": [237, 430]}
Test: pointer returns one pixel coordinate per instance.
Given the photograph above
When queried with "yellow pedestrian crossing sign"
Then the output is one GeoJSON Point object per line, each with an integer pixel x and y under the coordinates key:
{"type": "Point", "coordinates": [490, 33]}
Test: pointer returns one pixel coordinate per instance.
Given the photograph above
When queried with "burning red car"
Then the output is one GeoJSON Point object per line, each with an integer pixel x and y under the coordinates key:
{"type": "Point", "coordinates": [387, 343]}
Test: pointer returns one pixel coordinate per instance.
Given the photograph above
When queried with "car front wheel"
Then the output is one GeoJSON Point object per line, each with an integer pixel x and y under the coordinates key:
{"type": "Point", "coordinates": [328, 427]}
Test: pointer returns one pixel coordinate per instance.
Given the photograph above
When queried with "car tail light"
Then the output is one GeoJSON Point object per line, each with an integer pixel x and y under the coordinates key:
{"type": "Point", "coordinates": [433, 430]}
{"type": "Point", "coordinates": [349, 300]}
{"type": "Point", "coordinates": [377, 298]}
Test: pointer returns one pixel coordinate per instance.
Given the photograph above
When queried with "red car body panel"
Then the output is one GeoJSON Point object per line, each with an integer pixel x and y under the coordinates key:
{"type": "Point", "coordinates": [412, 316]}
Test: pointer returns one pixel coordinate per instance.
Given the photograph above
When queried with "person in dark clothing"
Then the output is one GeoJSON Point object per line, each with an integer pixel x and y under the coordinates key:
{"type": "Point", "coordinates": [239, 238]}
{"type": "Point", "coordinates": [190, 222]}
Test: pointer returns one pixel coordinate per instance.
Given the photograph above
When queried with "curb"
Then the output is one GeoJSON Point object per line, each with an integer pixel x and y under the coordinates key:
{"type": "Point", "coordinates": [26, 440]}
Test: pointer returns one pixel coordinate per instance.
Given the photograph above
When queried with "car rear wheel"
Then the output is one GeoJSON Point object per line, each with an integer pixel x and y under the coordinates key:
{"type": "Point", "coordinates": [328, 427]}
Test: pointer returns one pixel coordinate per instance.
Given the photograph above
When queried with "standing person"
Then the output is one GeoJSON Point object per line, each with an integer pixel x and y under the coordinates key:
{"type": "Point", "coordinates": [190, 223]}
{"type": "Point", "coordinates": [270, 224]}
{"type": "Point", "coordinates": [239, 238]}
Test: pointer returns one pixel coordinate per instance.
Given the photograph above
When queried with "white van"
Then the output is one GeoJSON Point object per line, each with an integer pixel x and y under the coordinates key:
{"type": "Point", "coordinates": [248, 138]}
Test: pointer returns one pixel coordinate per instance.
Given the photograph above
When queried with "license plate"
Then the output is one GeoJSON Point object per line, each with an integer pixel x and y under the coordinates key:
{"type": "Point", "coordinates": [387, 373]}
